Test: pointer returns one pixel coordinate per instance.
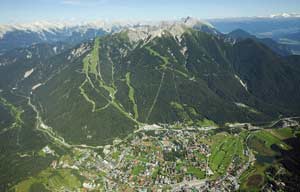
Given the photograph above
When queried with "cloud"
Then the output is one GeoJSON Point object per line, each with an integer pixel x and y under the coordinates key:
{"type": "Point", "coordinates": [71, 2]}
{"type": "Point", "coordinates": [83, 2]}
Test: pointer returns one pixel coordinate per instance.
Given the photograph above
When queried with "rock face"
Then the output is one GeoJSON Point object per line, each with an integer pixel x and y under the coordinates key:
{"type": "Point", "coordinates": [175, 28]}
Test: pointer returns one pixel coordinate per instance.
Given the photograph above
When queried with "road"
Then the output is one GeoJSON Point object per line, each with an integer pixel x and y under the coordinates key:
{"type": "Point", "coordinates": [48, 131]}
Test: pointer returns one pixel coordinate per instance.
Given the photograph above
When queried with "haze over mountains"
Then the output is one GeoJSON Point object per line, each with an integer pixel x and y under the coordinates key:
{"type": "Point", "coordinates": [22, 35]}
{"type": "Point", "coordinates": [86, 85]}
{"type": "Point", "coordinates": [280, 27]}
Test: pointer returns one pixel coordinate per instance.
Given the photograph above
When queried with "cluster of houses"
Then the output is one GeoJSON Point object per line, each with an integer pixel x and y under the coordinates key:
{"type": "Point", "coordinates": [151, 152]}
{"type": "Point", "coordinates": [150, 159]}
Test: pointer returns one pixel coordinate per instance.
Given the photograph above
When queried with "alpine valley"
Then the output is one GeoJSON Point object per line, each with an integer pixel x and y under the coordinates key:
{"type": "Point", "coordinates": [162, 106]}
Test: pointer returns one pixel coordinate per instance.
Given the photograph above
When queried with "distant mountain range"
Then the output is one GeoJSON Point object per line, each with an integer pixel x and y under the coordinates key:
{"type": "Point", "coordinates": [282, 28]}
{"type": "Point", "coordinates": [285, 15]}
{"type": "Point", "coordinates": [23, 35]}
{"type": "Point", "coordinates": [18, 36]}
{"type": "Point", "coordinates": [279, 48]}
{"type": "Point", "coordinates": [272, 26]}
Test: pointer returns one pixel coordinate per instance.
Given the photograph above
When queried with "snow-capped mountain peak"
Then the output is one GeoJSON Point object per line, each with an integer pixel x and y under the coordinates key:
{"type": "Point", "coordinates": [175, 28]}
{"type": "Point", "coordinates": [74, 32]}
{"type": "Point", "coordinates": [285, 15]}
{"type": "Point", "coordinates": [192, 22]}
{"type": "Point", "coordinates": [71, 26]}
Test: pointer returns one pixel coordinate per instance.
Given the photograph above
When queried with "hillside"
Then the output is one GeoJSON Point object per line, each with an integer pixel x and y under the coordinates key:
{"type": "Point", "coordinates": [116, 83]}
{"type": "Point", "coordinates": [85, 97]}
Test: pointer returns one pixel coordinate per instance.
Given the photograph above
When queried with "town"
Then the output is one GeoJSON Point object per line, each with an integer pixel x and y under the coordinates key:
{"type": "Point", "coordinates": [176, 157]}
{"type": "Point", "coordinates": [159, 158]}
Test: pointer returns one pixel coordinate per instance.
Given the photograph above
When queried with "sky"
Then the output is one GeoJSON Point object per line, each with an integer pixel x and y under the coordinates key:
{"type": "Point", "coordinates": [25, 11]}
